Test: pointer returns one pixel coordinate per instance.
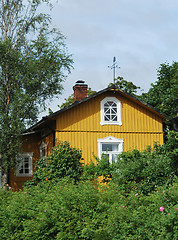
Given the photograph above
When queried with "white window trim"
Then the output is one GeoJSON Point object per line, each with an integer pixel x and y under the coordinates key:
{"type": "Point", "coordinates": [43, 145]}
{"type": "Point", "coordinates": [109, 140]}
{"type": "Point", "coordinates": [118, 122]}
{"type": "Point", "coordinates": [22, 156]}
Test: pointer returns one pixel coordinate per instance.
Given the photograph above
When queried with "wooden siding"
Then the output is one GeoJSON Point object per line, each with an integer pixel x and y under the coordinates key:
{"type": "Point", "coordinates": [31, 143]}
{"type": "Point", "coordinates": [80, 126]}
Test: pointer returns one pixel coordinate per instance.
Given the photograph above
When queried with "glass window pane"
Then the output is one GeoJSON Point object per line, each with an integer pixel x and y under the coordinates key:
{"type": "Point", "coordinates": [107, 117]}
{"type": "Point", "coordinates": [106, 110]}
{"type": "Point", "coordinates": [106, 104]}
{"type": "Point", "coordinates": [26, 165]}
{"type": "Point", "coordinates": [110, 103]}
{"type": "Point", "coordinates": [106, 147]}
{"type": "Point", "coordinates": [113, 111]}
{"type": "Point", "coordinates": [110, 147]}
{"type": "Point", "coordinates": [114, 118]}
{"type": "Point", "coordinates": [114, 158]}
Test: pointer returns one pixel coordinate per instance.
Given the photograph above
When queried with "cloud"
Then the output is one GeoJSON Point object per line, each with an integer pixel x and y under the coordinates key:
{"type": "Point", "coordinates": [141, 34]}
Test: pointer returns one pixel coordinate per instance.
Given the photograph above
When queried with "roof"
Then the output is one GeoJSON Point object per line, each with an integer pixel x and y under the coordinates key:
{"type": "Point", "coordinates": [113, 88]}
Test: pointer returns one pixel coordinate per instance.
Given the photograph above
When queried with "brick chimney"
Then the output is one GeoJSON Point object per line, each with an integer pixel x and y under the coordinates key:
{"type": "Point", "coordinates": [80, 90]}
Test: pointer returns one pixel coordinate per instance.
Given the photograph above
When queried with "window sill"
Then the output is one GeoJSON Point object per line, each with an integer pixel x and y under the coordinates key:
{"type": "Point", "coordinates": [24, 175]}
{"type": "Point", "coordinates": [111, 123]}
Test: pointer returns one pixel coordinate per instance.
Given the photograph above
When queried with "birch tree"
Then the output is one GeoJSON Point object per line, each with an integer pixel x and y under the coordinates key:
{"type": "Point", "coordinates": [33, 64]}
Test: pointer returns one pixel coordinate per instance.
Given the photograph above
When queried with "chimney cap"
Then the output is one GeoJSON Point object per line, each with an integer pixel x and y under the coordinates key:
{"type": "Point", "coordinates": [80, 82]}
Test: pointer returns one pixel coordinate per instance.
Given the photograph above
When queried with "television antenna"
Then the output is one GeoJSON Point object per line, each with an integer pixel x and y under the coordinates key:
{"type": "Point", "coordinates": [114, 66]}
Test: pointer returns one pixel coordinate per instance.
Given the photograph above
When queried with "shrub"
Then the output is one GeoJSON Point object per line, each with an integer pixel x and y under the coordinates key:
{"type": "Point", "coordinates": [143, 171]}
{"type": "Point", "coordinates": [64, 161]}
{"type": "Point", "coordinates": [85, 211]}
{"type": "Point", "coordinates": [139, 171]}
{"type": "Point", "coordinates": [102, 168]}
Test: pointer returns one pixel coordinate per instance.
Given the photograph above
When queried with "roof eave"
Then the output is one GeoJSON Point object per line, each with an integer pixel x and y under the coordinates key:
{"type": "Point", "coordinates": [113, 88]}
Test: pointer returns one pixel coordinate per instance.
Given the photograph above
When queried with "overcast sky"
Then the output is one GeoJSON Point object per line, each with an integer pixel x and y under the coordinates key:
{"type": "Point", "coordinates": [141, 34]}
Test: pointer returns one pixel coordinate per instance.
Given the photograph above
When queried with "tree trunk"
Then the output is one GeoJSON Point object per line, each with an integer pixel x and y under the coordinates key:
{"type": "Point", "coordinates": [4, 177]}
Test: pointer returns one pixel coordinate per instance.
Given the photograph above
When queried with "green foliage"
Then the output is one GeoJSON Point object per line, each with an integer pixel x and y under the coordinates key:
{"type": "Point", "coordinates": [86, 211]}
{"type": "Point", "coordinates": [143, 171]}
{"type": "Point", "coordinates": [125, 86]}
{"type": "Point", "coordinates": [33, 64]}
{"type": "Point", "coordinates": [102, 168]}
{"type": "Point", "coordinates": [64, 161]}
{"type": "Point", "coordinates": [139, 202]}
{"type": "Point", "coordinates": [163, 94]}
{"type": "Point", "coordinates": [139, 171]}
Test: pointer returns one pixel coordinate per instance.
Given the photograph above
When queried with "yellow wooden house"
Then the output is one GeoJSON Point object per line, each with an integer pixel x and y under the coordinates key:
{"type": "Point", "coordinates": [109, 121]}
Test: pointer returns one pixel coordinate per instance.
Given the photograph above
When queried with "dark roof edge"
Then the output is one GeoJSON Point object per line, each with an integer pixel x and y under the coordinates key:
{"type": "Point", "coordinates": [44, 119]}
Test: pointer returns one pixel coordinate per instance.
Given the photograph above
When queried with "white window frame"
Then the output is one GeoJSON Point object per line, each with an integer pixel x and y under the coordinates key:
{"type": "Point", "coordinates": [110, 140]}
{"type": "Point", "coordinates": [21, 156]}
{"type": "Point", "coordinates": [118, 103]}
{"type": "Point", "coordinates": [43, 146]}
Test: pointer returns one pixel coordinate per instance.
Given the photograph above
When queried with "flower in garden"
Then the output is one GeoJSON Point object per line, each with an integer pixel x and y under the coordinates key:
{"type": "Point", "coordinates": [177, 209]}
{"type": "Point", "coordinates": [44, 210]}
{"type": "Point", "coordinates": [123, 206]}
{"type": "Point", "coordinates": [169, 214]}
{"type": "Point", "coordinates": [161, 209]}
{"type": "Point", "coordinates": [136, 194]}
{"type": "Point", "coordinates": [163, 192]}
{"type": "Point", "coordinates": [100, 202]}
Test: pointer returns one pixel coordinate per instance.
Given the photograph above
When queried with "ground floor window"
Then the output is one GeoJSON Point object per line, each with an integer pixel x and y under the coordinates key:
{"type": "Point", "coordinates": [110, 147]}
{"type": "Point", "coordinates": [25, 167]}
{"type": "Point", "coordinates": [43, 151]}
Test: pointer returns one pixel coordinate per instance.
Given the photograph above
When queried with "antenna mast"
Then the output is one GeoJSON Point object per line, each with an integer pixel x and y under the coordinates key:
{"type": "Point", "coordinates": [114, 66]}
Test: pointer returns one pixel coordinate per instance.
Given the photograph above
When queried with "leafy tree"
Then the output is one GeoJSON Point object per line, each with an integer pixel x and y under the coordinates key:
{"type": "Point", "coordinates": [163, 93]}
{"type": "Point", "coordinates": [125, 86]}
{"type": "Point", "coordinates": [33, 63]}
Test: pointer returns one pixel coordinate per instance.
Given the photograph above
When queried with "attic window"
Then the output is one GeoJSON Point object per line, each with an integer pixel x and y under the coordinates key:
{"type": "Point", "coordinates": [111, 111]}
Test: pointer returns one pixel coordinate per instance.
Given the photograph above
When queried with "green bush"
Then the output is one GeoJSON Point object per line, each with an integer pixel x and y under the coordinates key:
{"type": "Point", "coordinates": [64, 161]}
{"type": "Point", "coordinates": [103, 168]}
{"type": "Point", "coordinates": [140, 201]}
{"type": "Point", "coordinates": [85, 211]}
{"type": "Point", "coordinates": [140, 171]}
{"type": "Point", "coordinates": [145, 171]}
